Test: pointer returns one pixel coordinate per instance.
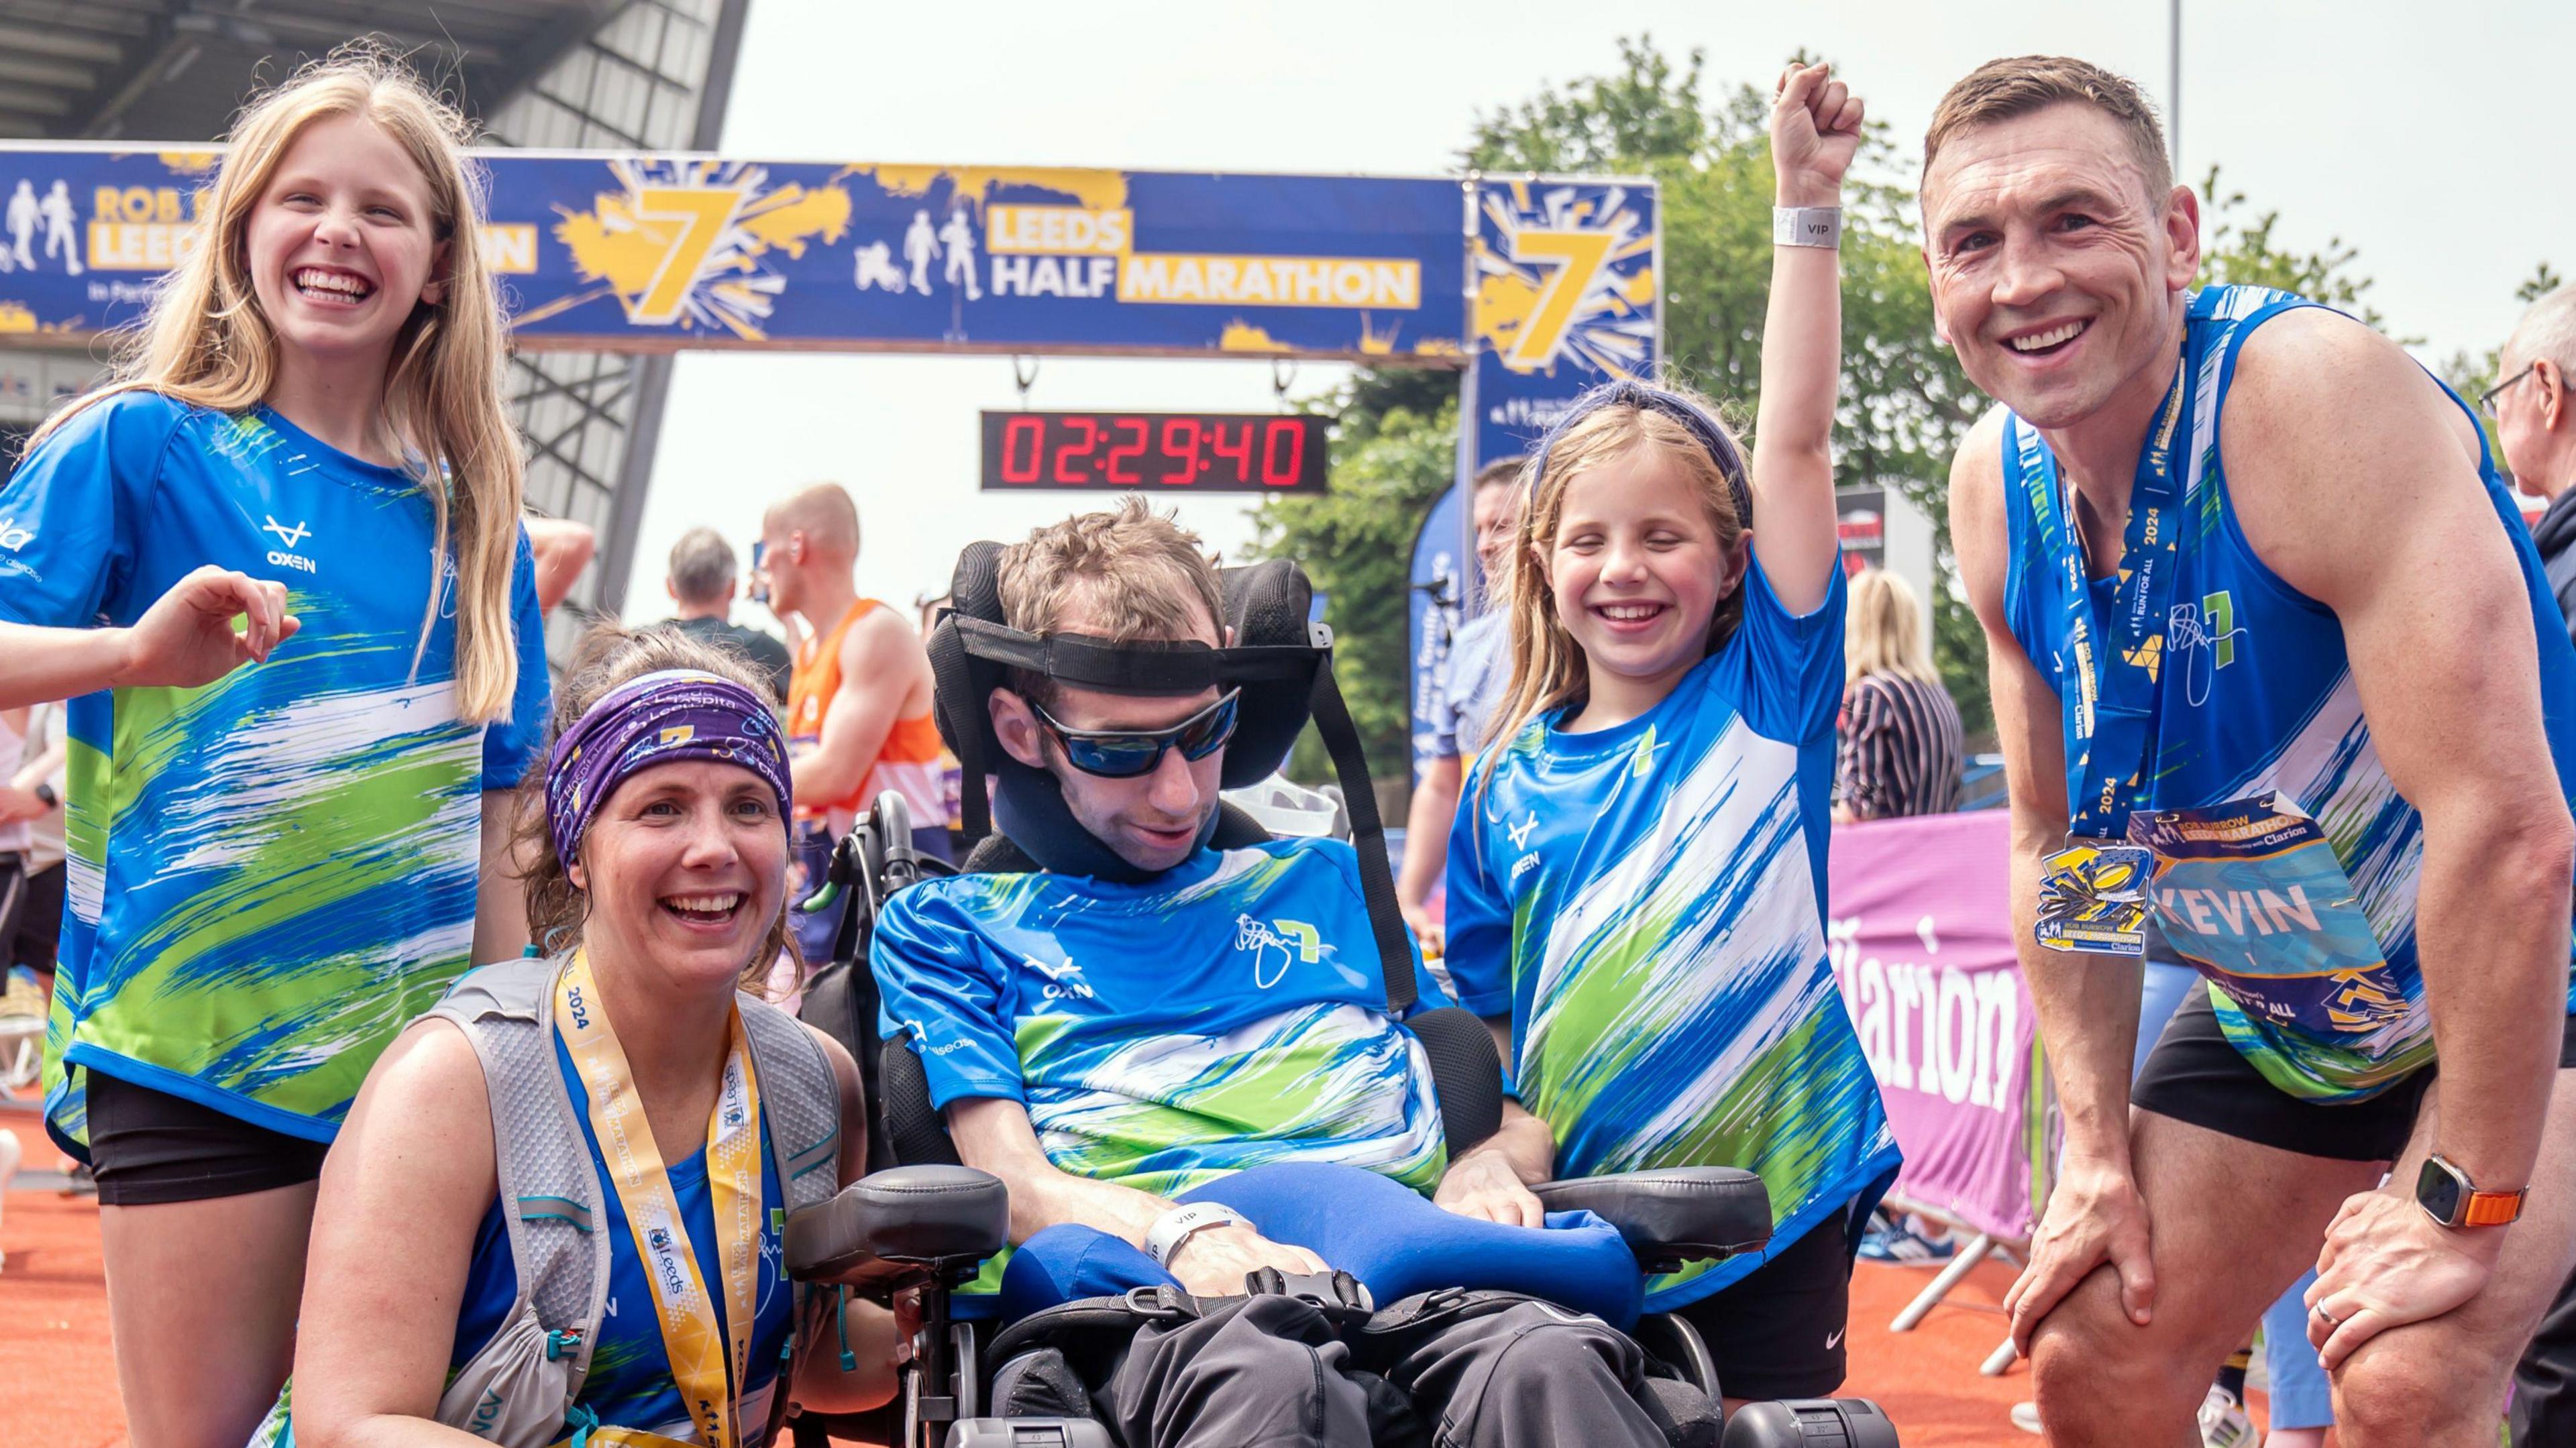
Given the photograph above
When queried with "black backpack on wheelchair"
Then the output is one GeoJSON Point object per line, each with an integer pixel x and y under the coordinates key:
{"type": "Point", "coordinates": [921, 1221]}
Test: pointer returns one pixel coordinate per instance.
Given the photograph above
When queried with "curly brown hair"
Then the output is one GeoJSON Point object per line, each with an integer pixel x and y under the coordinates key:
{"type": "Point", "coordinates": [607, 657]}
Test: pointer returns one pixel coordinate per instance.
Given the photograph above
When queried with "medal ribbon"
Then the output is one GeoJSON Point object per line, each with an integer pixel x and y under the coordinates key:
{"type": "Point", "coordinates": [708, 1364]}
{"type": "Point", "coordinates": [2110, 728]}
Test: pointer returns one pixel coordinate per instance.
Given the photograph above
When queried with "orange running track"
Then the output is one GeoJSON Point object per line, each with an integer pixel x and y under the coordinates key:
{"type": "Point", "coordinates": [58, 1380]}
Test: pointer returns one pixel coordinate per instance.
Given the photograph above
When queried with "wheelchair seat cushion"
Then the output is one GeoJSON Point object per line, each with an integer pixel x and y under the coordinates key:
{"type": "Point", "coordinates": [1393, 1239]}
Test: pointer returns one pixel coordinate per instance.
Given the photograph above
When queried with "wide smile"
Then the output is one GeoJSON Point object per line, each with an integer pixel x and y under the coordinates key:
{"type": "Point", "coordinates": [2040, 344]}
{"type": "Point", "coordinates": [331, 286]}
{"type": "Point", "coordinates": [713, 910]}
{"type": "Point", "coordinates": [1629, 616]}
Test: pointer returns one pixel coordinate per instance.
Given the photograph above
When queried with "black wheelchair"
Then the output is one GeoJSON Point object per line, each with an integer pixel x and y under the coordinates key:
{"type": "Point", "coordinates": [923, 1223]}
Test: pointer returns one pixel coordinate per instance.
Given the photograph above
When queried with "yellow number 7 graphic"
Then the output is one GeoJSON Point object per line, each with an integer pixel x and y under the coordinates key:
{"type": "Point", "coordinates": [1580, 256]}
{"type": "Point", "coordinates": [702, 214]}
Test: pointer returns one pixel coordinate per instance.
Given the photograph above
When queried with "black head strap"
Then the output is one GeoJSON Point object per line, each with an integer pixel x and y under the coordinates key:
{"type": "Point", "coordinates": [1646, 397]}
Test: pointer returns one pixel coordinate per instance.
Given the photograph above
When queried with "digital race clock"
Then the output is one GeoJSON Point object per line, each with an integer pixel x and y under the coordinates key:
{"type": "Point", "coordinates": [1203, 452]}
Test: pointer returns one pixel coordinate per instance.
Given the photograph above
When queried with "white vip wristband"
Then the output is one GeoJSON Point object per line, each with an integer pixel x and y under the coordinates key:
{"type": "Point", "coordinates": [1174, 1227]}
{"type": "Point", "coordinates": [1807, 226]}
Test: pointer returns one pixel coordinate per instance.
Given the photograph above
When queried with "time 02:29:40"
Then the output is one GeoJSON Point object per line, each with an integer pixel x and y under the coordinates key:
{"type": "Point", "coordinates": [1164, 451]}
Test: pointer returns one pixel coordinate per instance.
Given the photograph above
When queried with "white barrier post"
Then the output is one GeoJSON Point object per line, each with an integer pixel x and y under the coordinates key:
{"type": "Point", "coordinates": [1960, 1266]}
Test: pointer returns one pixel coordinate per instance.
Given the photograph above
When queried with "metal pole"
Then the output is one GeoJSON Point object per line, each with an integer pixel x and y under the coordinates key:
{"type": "Point", "coordinates": [2173, 81]}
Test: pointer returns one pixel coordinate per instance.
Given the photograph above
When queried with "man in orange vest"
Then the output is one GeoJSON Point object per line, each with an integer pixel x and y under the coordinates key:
{"type": "Point", "coordinates": [858, 703]}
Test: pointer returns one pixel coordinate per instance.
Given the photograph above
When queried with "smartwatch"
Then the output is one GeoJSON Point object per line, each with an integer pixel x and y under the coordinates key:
{"type": "Point", "coordinates": [2448, 1196]}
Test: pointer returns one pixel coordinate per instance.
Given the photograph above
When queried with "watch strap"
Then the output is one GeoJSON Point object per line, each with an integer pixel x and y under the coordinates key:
{"type": "Point", "coordinates": [2491, 1209]}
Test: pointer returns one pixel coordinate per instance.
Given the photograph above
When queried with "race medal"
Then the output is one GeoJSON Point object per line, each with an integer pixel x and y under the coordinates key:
{"type": "Point", "coordinates": [2093, 898]}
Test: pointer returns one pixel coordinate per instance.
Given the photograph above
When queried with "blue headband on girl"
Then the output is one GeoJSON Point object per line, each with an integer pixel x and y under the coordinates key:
{"type": "Point", "coordinates": [1646, 397]}
{"type": "Point", "coordinates": [660, 718]}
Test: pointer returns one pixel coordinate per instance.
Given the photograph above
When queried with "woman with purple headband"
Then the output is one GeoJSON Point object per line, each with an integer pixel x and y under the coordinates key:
{"type": "Point", "coordinates": [556, 1209]}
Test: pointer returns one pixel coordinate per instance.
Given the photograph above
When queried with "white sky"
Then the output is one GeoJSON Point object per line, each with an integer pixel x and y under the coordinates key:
{"type": "Point", "coordinates": [2417, 132]}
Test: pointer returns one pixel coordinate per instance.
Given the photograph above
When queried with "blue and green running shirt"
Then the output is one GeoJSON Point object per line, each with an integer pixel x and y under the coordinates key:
{"type": "Point", "coordinates": [2256, 696]}
{"type": "Point", "coordinates": [1647, 903]}
{"type": "Point", "coordinates": [1226, 1014]}
{"type": "Point", "coordinates": [271, 874]}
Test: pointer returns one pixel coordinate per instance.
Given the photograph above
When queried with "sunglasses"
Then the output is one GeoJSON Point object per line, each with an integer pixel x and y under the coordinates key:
{"type": "Point", "coordinates": [1129, 753]}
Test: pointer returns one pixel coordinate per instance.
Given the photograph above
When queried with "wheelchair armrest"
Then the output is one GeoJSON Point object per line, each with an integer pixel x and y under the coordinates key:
{"type": "Point", "coordinates": [1673, 1215]}
{"type": "Point", "coordinates": [900, 1228]}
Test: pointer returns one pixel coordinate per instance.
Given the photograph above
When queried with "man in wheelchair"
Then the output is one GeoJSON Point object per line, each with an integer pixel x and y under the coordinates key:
{"type": "Point", "coordinates": [1203, 1066]}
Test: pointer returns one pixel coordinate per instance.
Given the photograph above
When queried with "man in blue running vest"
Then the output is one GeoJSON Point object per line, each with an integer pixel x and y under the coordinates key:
{"type": "Point", "coordinates": [2263, 624]}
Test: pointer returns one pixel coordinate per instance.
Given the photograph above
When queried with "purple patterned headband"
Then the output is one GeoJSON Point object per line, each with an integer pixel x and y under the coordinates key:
{"type": "Point", "coordinates": [659, 718]}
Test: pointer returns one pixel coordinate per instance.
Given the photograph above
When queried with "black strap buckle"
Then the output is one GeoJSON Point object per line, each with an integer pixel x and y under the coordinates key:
{"type": "Point", "coordinates": [1159, 1303]}
{"type": "Point", "coordinates": [1334, 1290]}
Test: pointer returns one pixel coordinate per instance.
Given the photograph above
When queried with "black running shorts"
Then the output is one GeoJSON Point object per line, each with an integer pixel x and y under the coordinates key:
{"type": "Point", "coordinates": [149, 1147]}
{"type": "Point", "coordinates": [2195, 1076]}
{"type": "Point", "coordinates": [1778, 1331]}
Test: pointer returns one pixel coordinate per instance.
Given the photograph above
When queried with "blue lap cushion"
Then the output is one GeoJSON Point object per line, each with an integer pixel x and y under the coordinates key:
{"type": "Point", "coordinates": [1377, 1229]}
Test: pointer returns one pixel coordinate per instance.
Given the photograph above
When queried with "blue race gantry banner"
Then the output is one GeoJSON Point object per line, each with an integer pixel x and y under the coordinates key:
{"type": "Point", "coordinates": [634, 252]}
{"type": "Point", "coordinates": [1564, 276]}
{"type": "Point", "coordinates": [1536, 287]}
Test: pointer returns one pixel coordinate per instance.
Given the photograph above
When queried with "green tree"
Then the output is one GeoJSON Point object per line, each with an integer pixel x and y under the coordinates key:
{"type": "Point", "coordinates": [2471, 374]}
{"type": "Point", "coordinates": [1391, 460]}
{"type": "Point", "coordinates": [1905, 402]}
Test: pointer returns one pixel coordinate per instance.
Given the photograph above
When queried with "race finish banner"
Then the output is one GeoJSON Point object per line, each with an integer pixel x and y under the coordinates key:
{"type": "Point", "coordinates": [1564, 277]}
{"type": "Point", "coordinates": [1535, 287]}
{"type": "Point", "coordinates": [661, 252]}
{"type": "Point", "coordinates": [1919, 930]}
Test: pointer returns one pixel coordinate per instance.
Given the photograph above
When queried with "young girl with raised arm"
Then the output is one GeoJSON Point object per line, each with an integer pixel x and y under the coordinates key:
{"type": "Point", "coordinates": [1637, 879]}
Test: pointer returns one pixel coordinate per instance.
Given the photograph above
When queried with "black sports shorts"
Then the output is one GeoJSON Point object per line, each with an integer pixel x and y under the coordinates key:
{"type": "Point", "coordinates": [2194, 1075]}
{"type": "Point", "coordinates": [149, 1147]}
{"type": "Point", "coordinates": [1778, 1331]}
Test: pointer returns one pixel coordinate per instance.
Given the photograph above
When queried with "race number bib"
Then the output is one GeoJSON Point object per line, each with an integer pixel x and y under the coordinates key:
{"type": "Point", "coordinates": [2250, 893]}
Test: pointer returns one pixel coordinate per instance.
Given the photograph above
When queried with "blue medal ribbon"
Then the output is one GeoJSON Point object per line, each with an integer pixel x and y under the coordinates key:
{"type": "Point", "coordinates": [2110, 719]}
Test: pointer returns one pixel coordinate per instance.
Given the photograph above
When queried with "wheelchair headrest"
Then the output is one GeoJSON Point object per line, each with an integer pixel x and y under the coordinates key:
{"type": "Point", "coordinates": [1273, 659]}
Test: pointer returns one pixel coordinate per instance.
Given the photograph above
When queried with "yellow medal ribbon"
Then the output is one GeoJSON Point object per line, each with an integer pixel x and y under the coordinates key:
{"type": "Point", "coordinates": [708, 1364]}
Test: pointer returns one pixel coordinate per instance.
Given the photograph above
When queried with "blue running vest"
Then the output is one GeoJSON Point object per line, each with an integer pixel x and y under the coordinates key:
{"type": "Point", "coordinates": [2255, 695]}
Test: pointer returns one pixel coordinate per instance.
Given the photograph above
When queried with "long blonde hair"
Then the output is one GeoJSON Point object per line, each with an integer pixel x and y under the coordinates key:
{"type": "Point", "coordinates": [1883, 630]}
{"type": "Point", "coordinates": [206, 342]}
{"type": "Point", "coordinates": [1548, 668]}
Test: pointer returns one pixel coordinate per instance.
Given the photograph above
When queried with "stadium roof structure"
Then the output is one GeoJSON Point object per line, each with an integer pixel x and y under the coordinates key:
{"type": "Point", "coordinates": [172, 69]}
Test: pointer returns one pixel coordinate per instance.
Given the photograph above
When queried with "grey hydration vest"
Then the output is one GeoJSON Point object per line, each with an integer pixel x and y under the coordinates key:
{"type": "Point", "coordinates": [519, 1389]}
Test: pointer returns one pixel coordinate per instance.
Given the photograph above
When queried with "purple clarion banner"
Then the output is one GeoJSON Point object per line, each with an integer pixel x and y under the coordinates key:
{"type": "Point", "coordinates": [1921, 939]}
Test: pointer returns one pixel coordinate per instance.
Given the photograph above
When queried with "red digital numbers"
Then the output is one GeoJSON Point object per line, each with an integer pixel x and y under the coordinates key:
{"type": "Point", "coordinates": [1023, 444]}
{"type": "Point", "coordinates": [1184, 469]}
{"type": "Point", "coordinates": [1119, 450]}
{"type": "Point", "coordinates": [1278, 471]}
{"type": "Point", "coordinates": [1066, 452]}
{"type": "Point", "coordinates": [1121, 464]}
{"type": "Point", "coordinates": [1239, 452]}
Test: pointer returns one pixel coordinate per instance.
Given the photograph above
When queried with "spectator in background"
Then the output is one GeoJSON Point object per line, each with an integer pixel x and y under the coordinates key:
{"type": "Point", "coordinates": [1900, 733]}
{"type": "Point", "coordinates": [562, 549]}
{"type": "Point", "coordinates": [2534, 411]}
{"type": "Point", "coordinates": [1478, 665]}
{"type": "Point", "coordinates": [858, 705]}
{"type": "Point", "coordinates": [702, 581]}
